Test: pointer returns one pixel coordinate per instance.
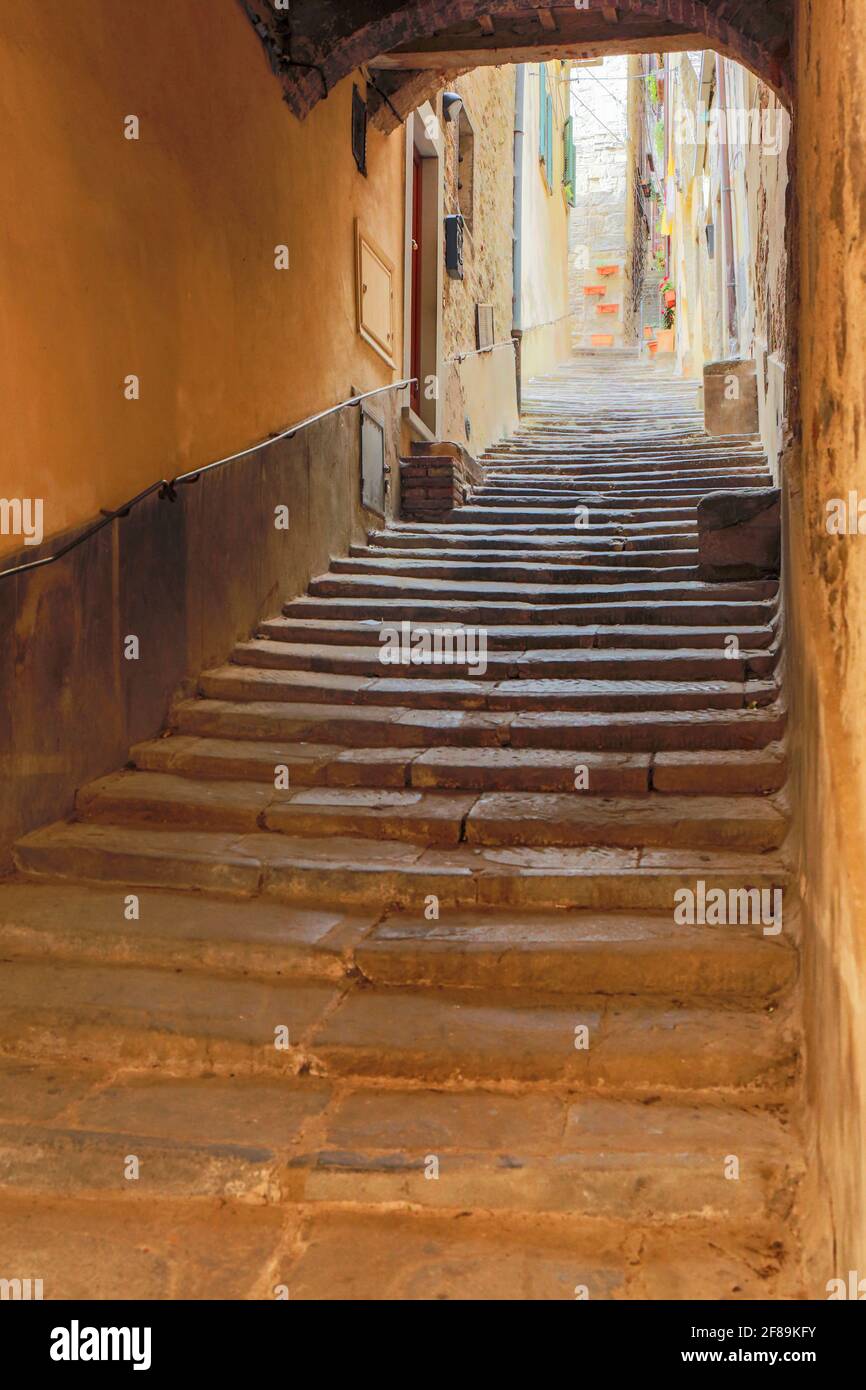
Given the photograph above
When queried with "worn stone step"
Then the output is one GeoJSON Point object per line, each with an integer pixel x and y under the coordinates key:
{"type": "Point", "coordinates": [532, 663]}
{"type": "Point", "coordinates": [661, 591]}
{"type": "Point", "coordinates": [238, 683]}
{"type": "Point", "coordinates": [546, 770]}
{"type": "Point", "coordinates": [446, 1036]}
{"type": "Point", "coordinates": [537, 1153]}
{"type": "Point", "coordinates": [467, 769]}
{"type": "Point", "coordinates": [478, 536]}
{"type": "Point", "coordinates": [155, 798]}
{"type": "Point", "coordinates": [609, 571]}
{"type": "Point", "coordinates": [153, 1018]}
{"type": "Point", "coordinates": [481, 769]}
{"type": "Point", "coordinates": [612, 498]}
{"type": "Point", "coordinates": [522, 547]}
{"type": "Point", "coordinates": [609, 512]}
{"type": "Point", "coordinates": [654, 476]}
{"type": "Point", "coordinates": [362, 873]}
{"type": "Point", "coordinates": [145, 1019]}
{"type": "Point", "coordinates": [176, 931]}
{"type": "Point", "coordinates": [579, 953]}
{"type": "Point", "coordinates": [733, 615]}
{"type": "Point", "coordinates": [434, 817]}
{"type": "Point", "coordinates": [629, 555]}
{"type": "Point", "coordinates": [516, 636]}
{"type": "Point", "coordinates": [355, 726]}
{"type": "Point", "coordinates": [657, 731]}
{"type": "Point", "coordinates": [548, 818]}
{"type": "Point", "coordinates": [66, 1131]}
{"type": "Point", "coordinates": [213, 1249]}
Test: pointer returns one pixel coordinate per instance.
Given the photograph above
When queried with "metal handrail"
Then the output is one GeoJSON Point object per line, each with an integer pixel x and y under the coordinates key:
{"type": "Point", "coordinates": [167, 488]}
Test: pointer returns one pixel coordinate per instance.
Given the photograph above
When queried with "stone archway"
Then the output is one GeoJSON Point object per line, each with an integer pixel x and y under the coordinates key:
{"type": "Point", "coordinates": [411, 49]}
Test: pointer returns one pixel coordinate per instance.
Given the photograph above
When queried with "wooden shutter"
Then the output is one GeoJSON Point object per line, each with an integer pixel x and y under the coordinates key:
{"type": "Point", "coordinates": [569, 163]}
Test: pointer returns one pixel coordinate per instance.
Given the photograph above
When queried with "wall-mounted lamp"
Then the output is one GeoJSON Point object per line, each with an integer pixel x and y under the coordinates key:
{"type": "Point", "coordinates": [452, 105]}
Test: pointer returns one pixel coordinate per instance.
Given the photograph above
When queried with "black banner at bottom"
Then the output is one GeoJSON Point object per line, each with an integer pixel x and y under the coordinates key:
{"type": "Point", "coordinates": [227, 1338]}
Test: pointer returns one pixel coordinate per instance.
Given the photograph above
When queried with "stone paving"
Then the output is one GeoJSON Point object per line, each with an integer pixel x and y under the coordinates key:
{"type": "Point", "coordinates": [382, 972]}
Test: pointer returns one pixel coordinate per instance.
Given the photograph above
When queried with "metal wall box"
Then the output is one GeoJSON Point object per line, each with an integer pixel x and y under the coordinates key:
{"type": "Point", "coordinates": [375, 295]}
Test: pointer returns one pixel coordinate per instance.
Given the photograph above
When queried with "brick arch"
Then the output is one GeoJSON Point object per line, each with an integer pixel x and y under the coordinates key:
{"type": "Point", "coordinates": [316, 43]}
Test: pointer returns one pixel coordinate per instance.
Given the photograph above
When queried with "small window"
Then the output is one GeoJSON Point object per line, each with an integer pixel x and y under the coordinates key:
{"type": "Point", "coordinates": [465, 168]}
{"type": "Point", "coordinates": [484, 326]}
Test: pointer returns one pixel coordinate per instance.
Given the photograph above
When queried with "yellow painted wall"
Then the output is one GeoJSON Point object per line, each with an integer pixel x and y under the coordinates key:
{"type": "Point", "coordinates": [546, 298]}
{"type": "Point", "coordinates": [156, 256]}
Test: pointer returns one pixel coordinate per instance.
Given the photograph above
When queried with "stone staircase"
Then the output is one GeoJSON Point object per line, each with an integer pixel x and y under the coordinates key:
{"type": "Point", "coordinates": [421, 1023]}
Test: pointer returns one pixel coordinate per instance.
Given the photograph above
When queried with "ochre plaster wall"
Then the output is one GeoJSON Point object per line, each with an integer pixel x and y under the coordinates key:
{"type": "Point", "coordinates": [826, 603]}
{"type": "Point", "coordinates": [156, 256]}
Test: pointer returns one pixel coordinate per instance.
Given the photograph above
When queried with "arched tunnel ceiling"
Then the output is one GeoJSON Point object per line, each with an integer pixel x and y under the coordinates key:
{"type": "Point", "coordinates": [411, 50]}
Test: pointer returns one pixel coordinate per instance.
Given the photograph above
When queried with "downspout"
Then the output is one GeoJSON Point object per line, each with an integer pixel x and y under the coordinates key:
{"type": "Point", "coordinates": [517, 235]}
{"type": "Point", "coordinates": [728, 215]}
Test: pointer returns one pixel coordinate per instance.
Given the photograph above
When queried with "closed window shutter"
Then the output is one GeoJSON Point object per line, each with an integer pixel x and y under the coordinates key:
{"type": "Point", "coordinates": [545, 124]}
{"type": "Point", "coordinates": [569, 164]}
{"type": "Point", "coordinates": [542, 112]}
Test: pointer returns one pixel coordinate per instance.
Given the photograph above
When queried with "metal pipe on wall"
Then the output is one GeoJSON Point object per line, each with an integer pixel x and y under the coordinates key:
{"type": "Point", "coordinates": [517, 234]}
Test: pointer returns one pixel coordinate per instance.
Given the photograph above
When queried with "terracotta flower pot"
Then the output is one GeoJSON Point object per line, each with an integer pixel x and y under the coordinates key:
{"type": "Point", "coordinates": [653, 347]}
{"type": "Point", "coordinates": [608, 269]}
{"type": "Point", "coordinates": [648, 333]}
{"type": "Point", "coordinates": [670, 298]}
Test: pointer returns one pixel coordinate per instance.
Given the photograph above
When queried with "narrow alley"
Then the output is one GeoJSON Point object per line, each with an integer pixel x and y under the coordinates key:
{"type": "Point", "coordinates": [432, 766]}
{"type": "Point", "coordinates": [503, 1022]}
